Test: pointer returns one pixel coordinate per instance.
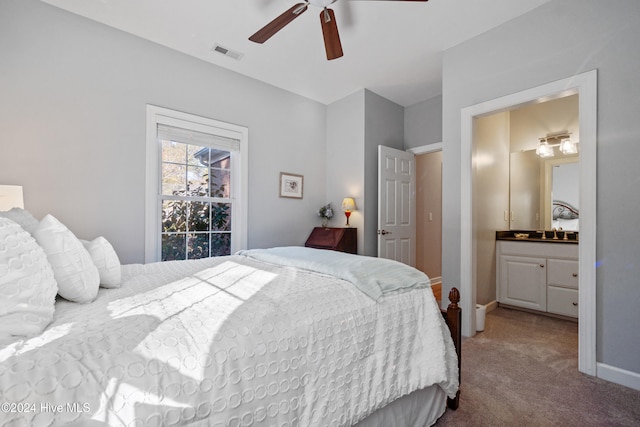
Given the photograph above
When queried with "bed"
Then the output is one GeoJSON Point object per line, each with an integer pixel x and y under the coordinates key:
{"type": "Point", "coordinates": [565, 216]}
{"type": "Point", "coordinates": [281, 336]}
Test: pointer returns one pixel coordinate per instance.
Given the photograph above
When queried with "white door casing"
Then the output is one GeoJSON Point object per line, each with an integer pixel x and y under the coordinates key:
{"type": "Point", "coordinates": [396, 205]}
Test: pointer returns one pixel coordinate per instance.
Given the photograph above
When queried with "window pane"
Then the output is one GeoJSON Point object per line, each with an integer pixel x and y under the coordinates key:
{"type": "Point", "coordinates": [173, 179]}
{"type": "Point", "coordinates": [173, 246]}
{"type": "Point", "coordinates": [220, 180]}
{"type": "Point", "coordinates": [221, 216]}
{"type": "Point", "coordinates": [174, 152]}
{"type": "Point", "coordinates": [198, 155]}
{"type": "Point", "coordinates": [174, 216]}
{"type": "Point", "coordinates": [220, 244]}
{"type": "Point", "coordinates": [198, 181]}
{"type": "Point", "coordinates": [220, 159]}
{"type": "Point", "coordinates": [198, 246]}
{"type": "Point", "coordinates": [199, 216]}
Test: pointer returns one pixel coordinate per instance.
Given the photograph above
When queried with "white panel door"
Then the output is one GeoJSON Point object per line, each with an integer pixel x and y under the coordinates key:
{"type": "Point", "coordinates": [396, 205]}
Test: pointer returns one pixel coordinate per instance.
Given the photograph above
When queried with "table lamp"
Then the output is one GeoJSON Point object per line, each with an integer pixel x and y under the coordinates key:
{"type": "Point", "coordinates": [348, 205]}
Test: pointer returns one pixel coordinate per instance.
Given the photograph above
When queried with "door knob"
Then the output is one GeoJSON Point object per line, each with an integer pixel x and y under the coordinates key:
{"type": "Point", "coordinates": [383, 232]}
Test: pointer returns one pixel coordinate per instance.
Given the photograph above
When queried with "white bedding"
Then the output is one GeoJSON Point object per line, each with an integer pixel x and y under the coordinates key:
{"type": "Point", "coordinates": [226, 341]}
{"type": "Point", "coordinates": [373, 276]}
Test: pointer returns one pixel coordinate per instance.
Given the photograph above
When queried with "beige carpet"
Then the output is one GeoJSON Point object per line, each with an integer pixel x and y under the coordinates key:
{"type": "Point", "coordinates": [523, 371]}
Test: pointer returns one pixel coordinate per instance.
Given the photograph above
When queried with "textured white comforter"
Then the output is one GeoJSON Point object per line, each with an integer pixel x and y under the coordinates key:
{"type": "Point", "coordinates": [226, 341]}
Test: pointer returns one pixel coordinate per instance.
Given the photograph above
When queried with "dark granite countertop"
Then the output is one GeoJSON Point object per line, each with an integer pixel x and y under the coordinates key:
{"type": "Point", "coordinates": [536, 236]}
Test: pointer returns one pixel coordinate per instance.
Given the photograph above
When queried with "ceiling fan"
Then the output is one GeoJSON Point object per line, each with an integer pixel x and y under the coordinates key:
{"type": "Point", "coordinates": [332, 43]}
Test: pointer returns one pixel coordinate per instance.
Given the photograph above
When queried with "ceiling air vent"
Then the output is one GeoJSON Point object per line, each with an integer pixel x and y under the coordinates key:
{"type": "Point", "coordinates": [227, 52]}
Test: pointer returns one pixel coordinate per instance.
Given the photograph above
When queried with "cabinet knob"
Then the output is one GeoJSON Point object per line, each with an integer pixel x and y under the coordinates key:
{"type": "Point", "coordinates": [541, 265]}
{"type": "Point", "coordinates": [575, 274]}
{"type": "Point", "coordinates": [575, 304]}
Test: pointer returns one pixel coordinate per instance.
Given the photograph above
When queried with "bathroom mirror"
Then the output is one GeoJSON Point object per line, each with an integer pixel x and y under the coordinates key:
{"type": "Point", "coordinates": [533, 185]}
{"type": "Point", "coordinates": [562, 183]}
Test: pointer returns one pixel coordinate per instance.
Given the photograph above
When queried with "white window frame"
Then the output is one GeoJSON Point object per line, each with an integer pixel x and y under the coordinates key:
{"type": "Point", "coordinates": [239, 173]}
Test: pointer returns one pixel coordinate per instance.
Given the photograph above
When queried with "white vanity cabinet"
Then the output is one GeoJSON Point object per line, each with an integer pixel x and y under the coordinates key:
{"type": "Point", "coordinates": [538, 276]}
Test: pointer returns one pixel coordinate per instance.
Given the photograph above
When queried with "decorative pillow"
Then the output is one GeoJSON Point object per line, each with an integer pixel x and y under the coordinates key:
{"type": "Point", "coordinates": [78, 278]}
{"type": "Point", "coordinates": [27, 284]}
{"type": "Point", "coordinates": [22, 217]}
{"type": "Point", "coordinates": [106, 260]}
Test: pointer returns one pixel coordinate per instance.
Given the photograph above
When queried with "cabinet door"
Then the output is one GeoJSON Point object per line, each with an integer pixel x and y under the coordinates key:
{"type": "Point", "coordinates": [523, 282]}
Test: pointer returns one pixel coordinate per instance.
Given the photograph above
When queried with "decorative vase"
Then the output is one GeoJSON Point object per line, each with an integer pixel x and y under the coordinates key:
{"type": "Point", "coordinates": [325, 222]}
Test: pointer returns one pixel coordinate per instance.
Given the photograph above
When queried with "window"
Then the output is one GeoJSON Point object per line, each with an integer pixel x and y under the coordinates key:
{"type": "Point", "coordinates": [196, 186]}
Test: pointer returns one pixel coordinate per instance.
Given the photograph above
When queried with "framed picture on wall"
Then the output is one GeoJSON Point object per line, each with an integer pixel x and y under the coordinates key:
{"type": "Point", "coordinates": [291, 185]}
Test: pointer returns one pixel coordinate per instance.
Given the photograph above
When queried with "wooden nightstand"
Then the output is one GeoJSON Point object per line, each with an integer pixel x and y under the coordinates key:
{"type": "Point", "coordinates": [335, 239]}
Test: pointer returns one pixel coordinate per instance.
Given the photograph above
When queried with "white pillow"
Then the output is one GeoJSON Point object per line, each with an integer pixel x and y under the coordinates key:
{"type": "Point", "coordinates": [27, 284]}
{"type": "Point", "coordinates": [78, 278]}
{"type": "Point", "coordinates": [106, 260]}
{"type": "Point", "coordinates": [22, 217]}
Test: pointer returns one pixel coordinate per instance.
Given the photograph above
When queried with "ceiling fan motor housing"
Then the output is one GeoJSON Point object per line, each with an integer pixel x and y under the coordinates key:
{"type": "Point", "coordinates": [321, 3]}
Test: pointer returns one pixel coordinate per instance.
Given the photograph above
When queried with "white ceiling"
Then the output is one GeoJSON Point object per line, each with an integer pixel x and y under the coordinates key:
{"type": "Point", "coordinates": [393, 48]}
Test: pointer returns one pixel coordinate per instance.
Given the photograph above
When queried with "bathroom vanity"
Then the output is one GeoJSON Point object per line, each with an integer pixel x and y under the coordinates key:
{"type": "Point", "coordinates": [538, 274]}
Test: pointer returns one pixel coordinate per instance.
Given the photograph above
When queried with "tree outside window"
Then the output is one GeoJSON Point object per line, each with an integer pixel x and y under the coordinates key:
{"type": "Point", "coordinates": [196, 204]}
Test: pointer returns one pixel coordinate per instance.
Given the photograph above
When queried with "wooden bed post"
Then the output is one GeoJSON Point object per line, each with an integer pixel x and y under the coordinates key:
{"type": "Point", "coordinates": [454, 322]}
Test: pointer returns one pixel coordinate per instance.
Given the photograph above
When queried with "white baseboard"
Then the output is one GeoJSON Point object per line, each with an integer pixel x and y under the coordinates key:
{"type": "Point", "coordinates": [618, 376]}
{"type": "Point", "coordinates": [492, 306]}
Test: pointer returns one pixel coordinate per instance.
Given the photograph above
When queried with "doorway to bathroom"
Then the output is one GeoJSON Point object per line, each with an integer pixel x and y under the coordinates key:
{"type": "Point", "coordinates": [585, 86]}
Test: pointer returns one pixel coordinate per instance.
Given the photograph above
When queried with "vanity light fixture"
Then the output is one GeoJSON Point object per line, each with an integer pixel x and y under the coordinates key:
{"type": "Point", "coordinates": [568, 147]}
{"type": "Point", "coordinates": [544, 149]}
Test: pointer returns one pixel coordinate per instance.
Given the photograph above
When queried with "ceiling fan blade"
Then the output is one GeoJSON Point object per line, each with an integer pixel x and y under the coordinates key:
{"type": "Point", "coordinates": [266, 32]}
{"type": "Point", "coordinates": [330, 32]}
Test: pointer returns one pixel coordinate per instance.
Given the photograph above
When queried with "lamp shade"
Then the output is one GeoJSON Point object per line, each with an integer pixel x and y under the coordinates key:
{"type": "Point", "coordinates": [11, 197]}
{"type": "Point", "coordinates": [348, 204]}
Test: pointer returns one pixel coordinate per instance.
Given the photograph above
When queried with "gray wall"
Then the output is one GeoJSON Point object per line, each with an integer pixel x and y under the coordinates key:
{"type": "Point", "coordinates": [423, 123]}
{"type": "Point", "coordinates": [384, 125]}
{"type": "Point", "coordinates": [72, 113]}
{"type": "Point", "coordinates": [356, 125]}
{"type": "Point", "coordinates": [555, 41]}
{"type": "Point", "coordinates": [345, 165]}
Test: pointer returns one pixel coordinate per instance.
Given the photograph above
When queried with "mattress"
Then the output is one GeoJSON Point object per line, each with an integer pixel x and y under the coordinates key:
{"type": "Point", "coordinates": [227, 341]}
